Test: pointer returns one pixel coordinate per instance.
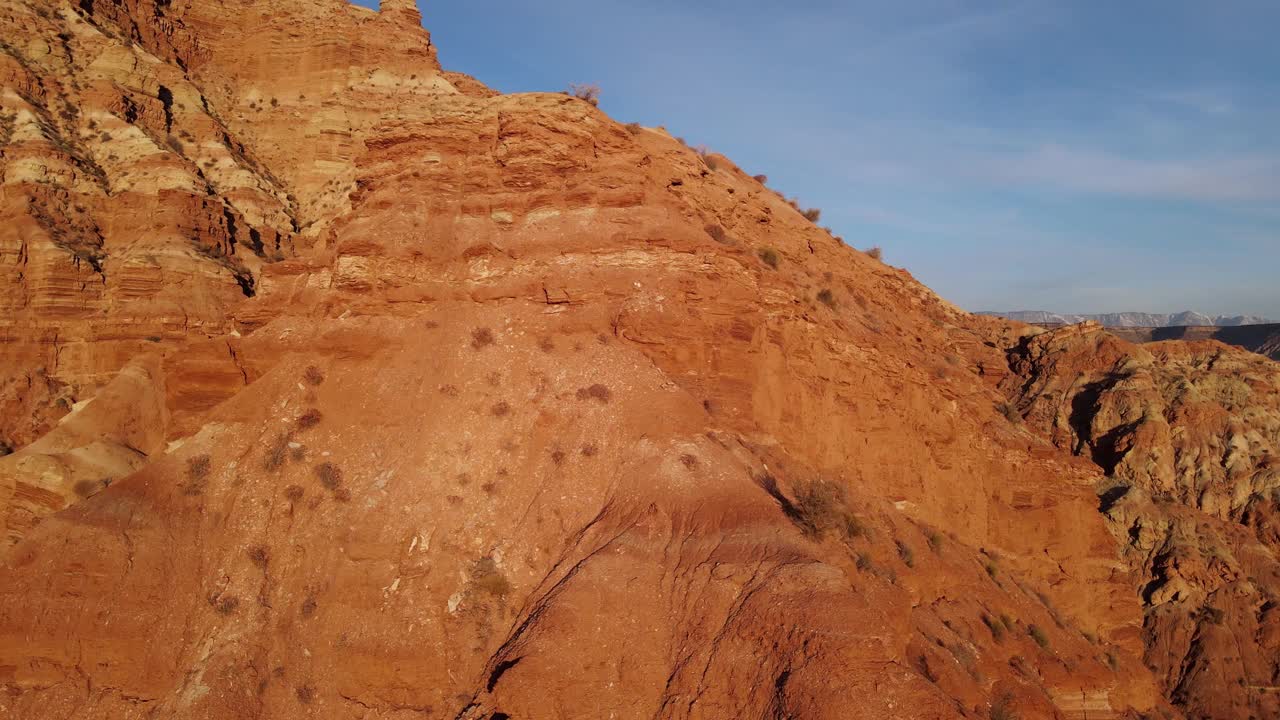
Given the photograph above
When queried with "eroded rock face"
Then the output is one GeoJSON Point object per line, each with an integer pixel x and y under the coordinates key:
{"type": "Point", "coordinates": [1188, 434]}
{"type": "Point", "coordinates": [155, 158]}
{"type": "Point", "coordinates": [528, 414]}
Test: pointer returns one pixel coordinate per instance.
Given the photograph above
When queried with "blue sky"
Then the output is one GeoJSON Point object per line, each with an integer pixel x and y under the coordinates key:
{"type": "Point", "coordinates": [1078, 156]}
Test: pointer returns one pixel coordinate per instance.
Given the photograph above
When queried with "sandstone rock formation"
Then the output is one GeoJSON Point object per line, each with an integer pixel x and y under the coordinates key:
{"type": "Point", "coordinates": [1188, 435]}
{"type": "Point", "coordinates": [436, 402]}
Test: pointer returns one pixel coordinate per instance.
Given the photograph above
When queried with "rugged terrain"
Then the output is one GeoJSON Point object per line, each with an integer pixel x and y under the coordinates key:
{"type": "Point", "coordinates": [357, 390]}
{"type": "Point", "coordinates": [1186, 318]}
{"type": "Point", "coordinates": [1261, 339]}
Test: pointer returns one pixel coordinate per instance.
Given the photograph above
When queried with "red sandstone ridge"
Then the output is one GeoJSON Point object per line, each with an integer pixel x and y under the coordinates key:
{"type": "Point", "coordinates": [520, 412]}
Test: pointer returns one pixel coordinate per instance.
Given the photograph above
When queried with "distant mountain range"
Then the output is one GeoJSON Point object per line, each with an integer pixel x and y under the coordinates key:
{"type": "Point", "coordinates": [1132, 319]}
{"type": "Point", "coordinates": [1261, 339]}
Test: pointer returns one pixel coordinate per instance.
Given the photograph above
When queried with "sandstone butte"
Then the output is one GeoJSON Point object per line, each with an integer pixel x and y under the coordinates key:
{"type": "Point", "coordinates": [336, 385]}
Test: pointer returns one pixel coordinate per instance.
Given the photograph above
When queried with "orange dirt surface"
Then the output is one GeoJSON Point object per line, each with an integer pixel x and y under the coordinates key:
{"type": "Point", "coordinates": [341, 386]}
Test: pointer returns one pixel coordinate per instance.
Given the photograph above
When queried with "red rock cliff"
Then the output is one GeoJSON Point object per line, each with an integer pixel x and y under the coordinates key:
{"type": "Point", "coordinates": [377, 394]}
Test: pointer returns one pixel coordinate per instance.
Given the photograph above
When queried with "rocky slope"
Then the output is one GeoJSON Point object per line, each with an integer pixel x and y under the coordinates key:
{"type": "Point", "coordinates": [1188, 435]}
{"type": "Point", "coordinates": [1261, 339]}
{"type": "Point", "coordinates": [522, 412]}
{"type": "Point", "coordinates": [1187, 318]}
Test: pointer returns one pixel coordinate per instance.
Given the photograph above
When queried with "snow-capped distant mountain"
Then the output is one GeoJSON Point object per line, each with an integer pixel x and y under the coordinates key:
{"type": "Point", "coordinates": [1133, 319]}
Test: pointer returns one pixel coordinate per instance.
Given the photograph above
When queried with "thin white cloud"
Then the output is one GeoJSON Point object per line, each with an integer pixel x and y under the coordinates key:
{"type": "Point", "coordinates": [1243, 178]}
{"type": "Point", "coordinates": [1205, 102]}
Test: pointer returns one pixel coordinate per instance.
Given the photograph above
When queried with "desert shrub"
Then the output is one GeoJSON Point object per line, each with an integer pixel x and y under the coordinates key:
{"type": "Point", "coordinates": [329, 475]}
{"type": "Point", "coordinates": [297, 454]}
{"type": "Point", "coordinates": [259, 555]}
{"type": "Point", "coordinates": [1038, 635]}
{"type": "Point", "coordinates": [1006, 621]}
{"type": "Point", "coordinates": [1213, 615]}
{"type": "Point", "coordinates": [306, 694]}
{"type": "Point", "coordinates": [864, 561]}
{"type": "Point", "coordinates": [633, 128]}
{"type": "Point", "coordinates": [822, 506]}
{"type": "Point", "coordinates": [586, 91]}
{"type": "Point", "coordinates": [175, 144]}
{"type": "Point", "coordinates": [689, 461]}
{"type": "Point", "coordinates": [308, 606]}
{"type": "Point", "coordinates": [769, 257]}
{"type": "Point", "coordinates": [309, 419]}
{"type": "Point", "coordinates": [1113, 660]}
{"type": "Point", "coordinates": [276, 453]}
{"type": "Point", "coordinates": [875, 253]}
{"type": "Point", "coordinates": [905, 552]}
{"type": "Point", "coordinates": [965, 658]}
{"type": "Point", "coordinates": [481, 337]}
{"type": "Point", "coordinates": [197, 473]}
{"type": "Point", "coordinates": [991, 569]}
{"type": "Point", "coordinates": [717, 233]}
{"type": "Point", "coordinates": [500, 409]}
{"type": "Point", "coordinates": [198, 467]}
{"type": "Point", "coordinates": [224, 604]}
{"type": "Point", "coordinates": [1001, 710]}
{"type": "Point", "coordinates": [934, 538]}
{"type": "Point", "coordinates": [812, 214]}
{"type": "Point", "coordinates": [596, 392]}
{"type": "Point", "coordinates": [826, 297]}
{"type": "Point", "coordinates": [1010, 412]}
{"type": "Point", "coordinates": [704, 154]}
{"type": "Point", "coordinates": [313, 376]}
{"type": "Point", "coordinates": [487, 578]}
{"type": "Point", "coordinates": [557, 456]}
{"type": "Point", "coordinates": [762, 179]}
{"type": "Point", "coordinates": [590, 450]}
{"type": "Point", "coordinates": [995, 626]}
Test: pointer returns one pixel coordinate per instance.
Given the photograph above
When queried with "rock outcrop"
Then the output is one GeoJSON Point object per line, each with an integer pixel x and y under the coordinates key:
{"type": "Point", "coordinates": [1188, 435]}
{"type": "Point", "coordinates": [486, 406]}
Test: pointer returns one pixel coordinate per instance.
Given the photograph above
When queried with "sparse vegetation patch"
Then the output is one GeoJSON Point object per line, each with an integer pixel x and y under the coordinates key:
{"type": "Point", "coordinates": [596, 392]}
{"type": "Point", "coordinates": [1038, 635]}
{"type": "Point", "coordinates": [309, 419]}
{"type": "Point", "coordinates": [276, 453]}
{"type": "Point", "coordinates": [585, 91]}
{"type": "Point", "coordinates": [488, 579]}
{"type": "Point", "coordinates": [313, 375]}
{"type": "Point", "coordinates": [481, 337]}
{"type": "Point", "coordinates": [769, 257]}
{"type": "Point", "coordinates": [905, 552]}
{"type": "Point", "coordinates": [329, 475]}
{"type": "Point", "coordinates": [821, 506]}
{"type": "Point", "coordinates": [197, 474]}
{"type": "Point", "coordinates": [995, 626]}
